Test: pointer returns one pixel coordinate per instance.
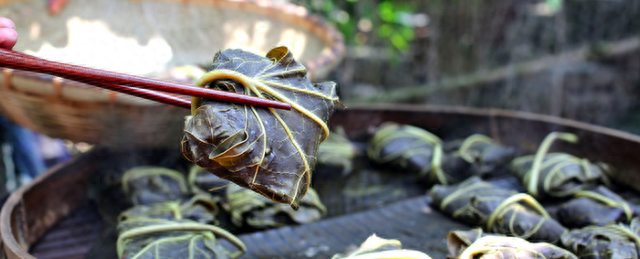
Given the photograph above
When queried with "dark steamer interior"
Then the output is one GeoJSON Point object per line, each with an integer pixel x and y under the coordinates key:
{"type": "Point", "coordinates": [54, 217]}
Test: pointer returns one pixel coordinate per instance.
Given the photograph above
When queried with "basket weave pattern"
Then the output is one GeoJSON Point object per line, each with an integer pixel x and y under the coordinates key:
{"type": "Point", "coordinates": [104, 120]}
{"type": "Point", "coordinates": [69, 110]}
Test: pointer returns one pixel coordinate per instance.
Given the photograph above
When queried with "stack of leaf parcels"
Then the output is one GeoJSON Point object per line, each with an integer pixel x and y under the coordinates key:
{"type": "Point", "coordinates": [601, 223]}
{"type": "Point", "coordinates": [168, 222]}
{"type": "Point", "coordinates": [597, 216]}
{"type": "Point", "coordinates": [272, 152]}
{"type": "Point", "coordinates": [497, 210]}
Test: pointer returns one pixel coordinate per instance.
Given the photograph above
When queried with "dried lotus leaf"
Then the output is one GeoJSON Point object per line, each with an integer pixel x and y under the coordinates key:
{"type": "Point", "coordinates": [272, 152]}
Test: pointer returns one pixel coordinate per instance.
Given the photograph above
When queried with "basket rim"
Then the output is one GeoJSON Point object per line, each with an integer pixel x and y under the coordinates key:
{"type": "Point", "coordinates": [314, 24]}
{"type": "Point", "coordinates": [13, 203]}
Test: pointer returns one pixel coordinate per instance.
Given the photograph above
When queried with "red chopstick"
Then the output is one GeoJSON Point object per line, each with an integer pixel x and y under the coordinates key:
{"type": "Point", "coordinates": [147, 94]}
{"type": "Point", "coordinates": [129, 83]}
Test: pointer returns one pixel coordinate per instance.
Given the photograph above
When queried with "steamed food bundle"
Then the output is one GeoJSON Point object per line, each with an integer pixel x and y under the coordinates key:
{"type": "Point", "coordinates": [248, 208]}
{"type": "Point", "coordinates": [272, 152]}
{"type": "Point", "coordinates": [605, 242]}
{"type": "Point", "coordinates": [170, 225]}
{"type": "Point", "coordinates": [379, 248]}
{"type": "Point", "coordinates": [144, 192]}
{"type": "Point", "coordinates": [479, 203]}
{"type": "Point", "coordinates": [474, 245]}
{"type": "Point", "coordinates": [410, 148]}
{"type": "Point", "coordinates": [144, 237]}
{"type": "Point", "coordinates": [419, 151]}
{"type": "Point", "coordinates": [150, 184]}
{"type": "Point", "coordinates": [557, 174]}
{"type": "Point", "coordinates": [596, 207]}
{"type": "Point", "coordinates": [477, 154]}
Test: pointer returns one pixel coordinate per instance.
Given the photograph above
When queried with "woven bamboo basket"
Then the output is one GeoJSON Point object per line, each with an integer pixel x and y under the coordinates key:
{"type": "Point", "coordinates": [146, 38]}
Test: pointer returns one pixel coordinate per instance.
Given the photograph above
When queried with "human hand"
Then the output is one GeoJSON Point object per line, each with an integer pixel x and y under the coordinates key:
{"type": "Point", "coordinates": [8, 33]}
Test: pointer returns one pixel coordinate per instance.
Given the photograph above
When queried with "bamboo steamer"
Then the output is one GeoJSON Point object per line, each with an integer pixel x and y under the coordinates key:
{"type": "Point", "coordinates": [34, 209]}
{"type": "Point", "coordinates": [146, 38]}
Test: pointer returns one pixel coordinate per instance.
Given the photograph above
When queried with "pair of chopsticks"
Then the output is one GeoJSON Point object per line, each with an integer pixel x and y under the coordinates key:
{"type": "Point", "coordinates": [147, 88]}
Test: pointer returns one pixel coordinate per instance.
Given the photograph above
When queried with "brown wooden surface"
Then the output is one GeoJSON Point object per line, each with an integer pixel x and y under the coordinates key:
{"type": "Point", "coordinates": [33, 209]}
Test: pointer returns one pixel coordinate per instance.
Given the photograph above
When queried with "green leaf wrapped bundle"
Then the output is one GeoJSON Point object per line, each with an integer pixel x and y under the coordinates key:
{"type": "Point", "coordinates": [614, 241]}
{"type": "Point", "coordinates": [379, 248]}
{"type": "Point", "coordinates": [410, 148]}
{"type": "Point", "coordinates": [557, 174]}
{"type": "Point", "coordinates": [201, 208]}
{"type": "Point", "coordinates": [272, 152]}
{"type": "Point", "coordinates": [474, 245]}
{"type": "Point", "coordinates": [419, 151]}
{"type": "Point", "coordinates": [151, 238]}
{"type": "Point", "coordinates": [249, 208]}
{"type": "Point", "coordinates": [202, 181]}
{"type": "Point", "coordinates": [149, 184]}
{"type": "Point", "coordinates": [478, 154]}
{"type": "Point", "coordinates": [337, 152]}
{"type": "Point", "coordinates": [596, 207]}
{"type": "Point", "coordinates": [497, 210]}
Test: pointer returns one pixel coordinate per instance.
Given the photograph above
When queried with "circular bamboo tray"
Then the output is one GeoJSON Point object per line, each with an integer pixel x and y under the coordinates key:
{"type": "Point", "coordinates": [146, 38]}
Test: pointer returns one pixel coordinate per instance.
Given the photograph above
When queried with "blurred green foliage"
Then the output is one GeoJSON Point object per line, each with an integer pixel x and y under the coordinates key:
{"type": "Point", "coordinates": [382, 23]}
